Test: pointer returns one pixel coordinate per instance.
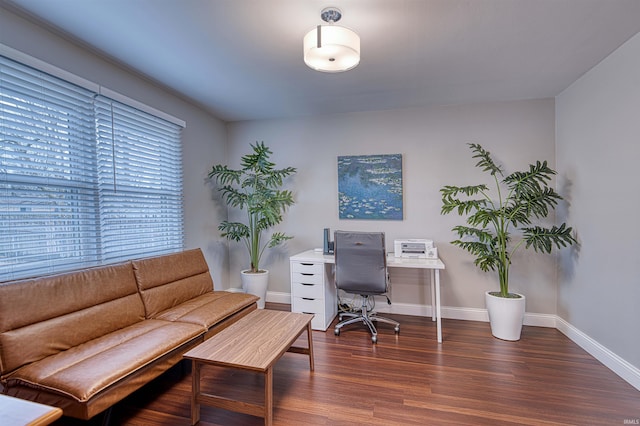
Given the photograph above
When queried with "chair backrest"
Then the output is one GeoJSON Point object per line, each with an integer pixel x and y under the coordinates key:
{"type": "Point", "coordinates": [361, 262]}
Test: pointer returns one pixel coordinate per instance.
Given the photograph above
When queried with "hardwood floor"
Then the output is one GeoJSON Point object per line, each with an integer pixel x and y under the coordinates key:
{"type": "Point", "coordinates": [471, 379]}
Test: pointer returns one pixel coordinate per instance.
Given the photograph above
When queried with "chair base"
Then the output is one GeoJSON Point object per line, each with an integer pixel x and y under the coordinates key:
{"type": "Point", "coordinates": [367, 318]}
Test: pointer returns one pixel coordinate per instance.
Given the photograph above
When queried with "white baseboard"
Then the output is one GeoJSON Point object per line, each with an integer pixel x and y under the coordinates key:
{"type": "Point", "coordinates": [466, 314]}
{"type": "Point", "coordinates": [402, 308]}
{"type": "Point", "coordinates": [278, 297]}
{"type": "Point", "coordinates": [272, 296]}
{"type": "Point", "coordinates": [540, 320]}
{"type": "Point", "coordinates": [622, 368]}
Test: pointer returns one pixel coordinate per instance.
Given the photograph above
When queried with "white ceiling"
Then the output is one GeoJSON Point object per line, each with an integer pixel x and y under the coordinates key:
{"type": "Point", "coordinates": [242, 59]}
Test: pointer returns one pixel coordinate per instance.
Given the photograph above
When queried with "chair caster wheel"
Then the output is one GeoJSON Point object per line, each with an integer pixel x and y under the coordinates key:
{"type": "Point", "coordinates": [374, 339]}
{"type": "Point", "coordinates": [397, 329]}
{"type": "Point", "coordinates": [336, 331]}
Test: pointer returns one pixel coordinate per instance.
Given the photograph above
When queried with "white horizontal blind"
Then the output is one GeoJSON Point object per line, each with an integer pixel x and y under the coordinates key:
{"type": "Point", "coordinates": [48, 201]}
{"type": "Point", "coordinates": [84, 180]}
{"type": "Point", "coordinates": [140, 182]}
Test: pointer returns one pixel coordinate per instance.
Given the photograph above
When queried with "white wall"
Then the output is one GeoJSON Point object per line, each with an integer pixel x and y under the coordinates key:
{"type": "Point", "coordinates": [598, 146]}
{"type": "Point", "coordinates": [203, 139]}
{"type": "Point", "coordinates": [433, 144]}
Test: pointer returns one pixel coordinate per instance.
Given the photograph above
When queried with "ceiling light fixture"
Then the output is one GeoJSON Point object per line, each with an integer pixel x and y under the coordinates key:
{"type": "Point", "coordinates": [331, 48]}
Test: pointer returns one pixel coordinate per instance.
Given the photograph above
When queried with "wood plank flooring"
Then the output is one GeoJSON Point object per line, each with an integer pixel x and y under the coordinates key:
{"type": "Point", "coordinates": [408, 379]}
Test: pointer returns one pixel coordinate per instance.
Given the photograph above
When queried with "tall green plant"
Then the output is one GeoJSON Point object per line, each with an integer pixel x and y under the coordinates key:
{"type": "Point", "coordinates": [520, 198]}
{"type": "Point", "coordinates": [255, 188]}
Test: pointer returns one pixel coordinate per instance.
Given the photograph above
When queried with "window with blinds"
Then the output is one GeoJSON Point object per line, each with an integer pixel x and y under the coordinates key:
{"type": "Point", "coordinates": [84, 180]}
{"type": "Point", "coordinates": [139, 182]}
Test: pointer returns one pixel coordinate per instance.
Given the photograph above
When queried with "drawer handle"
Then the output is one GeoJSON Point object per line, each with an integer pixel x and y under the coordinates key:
{"type": "Point", "coordinates": [306, 264]}
{"type": "Point", "coordinates": [310, 313]}
{"type": "Point", "coordinates": [306, 274]}
{"type": "Point", "coordinates": [306, 284]}
{"type": "Point", "coordinates": [308, 298]}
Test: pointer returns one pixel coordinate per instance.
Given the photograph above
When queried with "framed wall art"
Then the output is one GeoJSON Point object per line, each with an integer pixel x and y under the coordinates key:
{"type": "Point", "coordinates": [370, 187]}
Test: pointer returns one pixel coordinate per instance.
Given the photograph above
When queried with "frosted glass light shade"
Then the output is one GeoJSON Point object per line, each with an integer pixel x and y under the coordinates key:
{"type": "Point", "coordinates": [331, 48]}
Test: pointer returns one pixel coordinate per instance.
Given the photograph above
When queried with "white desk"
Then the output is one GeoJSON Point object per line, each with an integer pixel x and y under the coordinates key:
{"type": "Point", "coordinates": [435, 265]}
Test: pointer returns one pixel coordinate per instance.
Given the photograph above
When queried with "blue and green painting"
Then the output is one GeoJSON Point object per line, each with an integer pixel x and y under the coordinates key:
{"type": "Point", "coordinates": [370, 187]}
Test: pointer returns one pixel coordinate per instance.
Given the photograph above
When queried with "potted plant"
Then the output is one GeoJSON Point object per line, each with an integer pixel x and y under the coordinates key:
{"type": "Point", "coordinates": [255, 188]}
{"type": "Point", "coordinates": [519, 199]}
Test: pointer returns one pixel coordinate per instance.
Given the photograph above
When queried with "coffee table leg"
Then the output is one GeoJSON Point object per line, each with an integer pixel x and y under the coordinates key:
{"type": "Point", "coordinates": [268, 397]}
{"type": "Point", "coordinates": [195, 392]}
{"type": "Point", "coordinates": [310, 341]}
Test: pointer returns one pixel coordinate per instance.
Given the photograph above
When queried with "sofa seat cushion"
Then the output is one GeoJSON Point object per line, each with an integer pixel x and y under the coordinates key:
{"type": "Point", "coordinates": [209, 309]}
{"type": "Point", "coordinates": [83, 371]}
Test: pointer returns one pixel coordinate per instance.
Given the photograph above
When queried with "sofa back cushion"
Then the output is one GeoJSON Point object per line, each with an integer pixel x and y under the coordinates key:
{"type": "Point", "coordinates": [42, 316]}
{"type": "Point", "coordinates": [169, 280]}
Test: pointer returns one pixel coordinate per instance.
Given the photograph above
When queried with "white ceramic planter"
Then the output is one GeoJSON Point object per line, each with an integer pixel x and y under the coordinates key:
{"type": "Point", "coordinates": [505, 315]}
{"type": "Point", "coordinates": [255, 283]}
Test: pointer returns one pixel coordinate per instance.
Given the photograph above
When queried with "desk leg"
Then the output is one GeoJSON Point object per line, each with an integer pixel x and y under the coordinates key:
{"type": "Point", "coordinates": [195, 392]}
{"type": "Point", "coordinates": [268, 397]}
{"type": "Point", "coordinates": [432, 286]}
{"type": "Point", "coordinates": [438, 313]}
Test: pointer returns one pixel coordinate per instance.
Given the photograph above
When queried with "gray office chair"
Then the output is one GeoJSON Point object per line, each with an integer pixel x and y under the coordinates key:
{"type": "Point", "coordinates": [361, 268]}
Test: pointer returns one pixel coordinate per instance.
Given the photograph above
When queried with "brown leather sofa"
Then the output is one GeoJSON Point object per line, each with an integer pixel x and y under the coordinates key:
{"type": "Point", "coordinates": [84, 340]}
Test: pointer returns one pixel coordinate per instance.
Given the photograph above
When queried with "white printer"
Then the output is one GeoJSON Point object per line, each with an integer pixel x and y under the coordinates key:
{"type": "Point", "coordinates": [415, 248]}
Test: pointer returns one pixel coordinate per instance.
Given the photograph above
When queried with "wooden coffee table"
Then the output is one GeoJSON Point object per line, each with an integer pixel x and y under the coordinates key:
{"type": "Point", "coordinates": [20, 412]}
{"type": "Point", "coordinates": [253, 343]}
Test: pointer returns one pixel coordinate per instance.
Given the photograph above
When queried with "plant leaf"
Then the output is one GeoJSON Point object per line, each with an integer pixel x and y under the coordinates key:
{"type": "Point", "coordinates": [486, 162]}
{"type": "Point", "coordinates": [544, 239]}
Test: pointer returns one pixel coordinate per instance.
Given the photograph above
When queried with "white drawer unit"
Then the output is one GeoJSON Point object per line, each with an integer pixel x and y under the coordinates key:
{"type": "Point", "coordinates": [312, 289]}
